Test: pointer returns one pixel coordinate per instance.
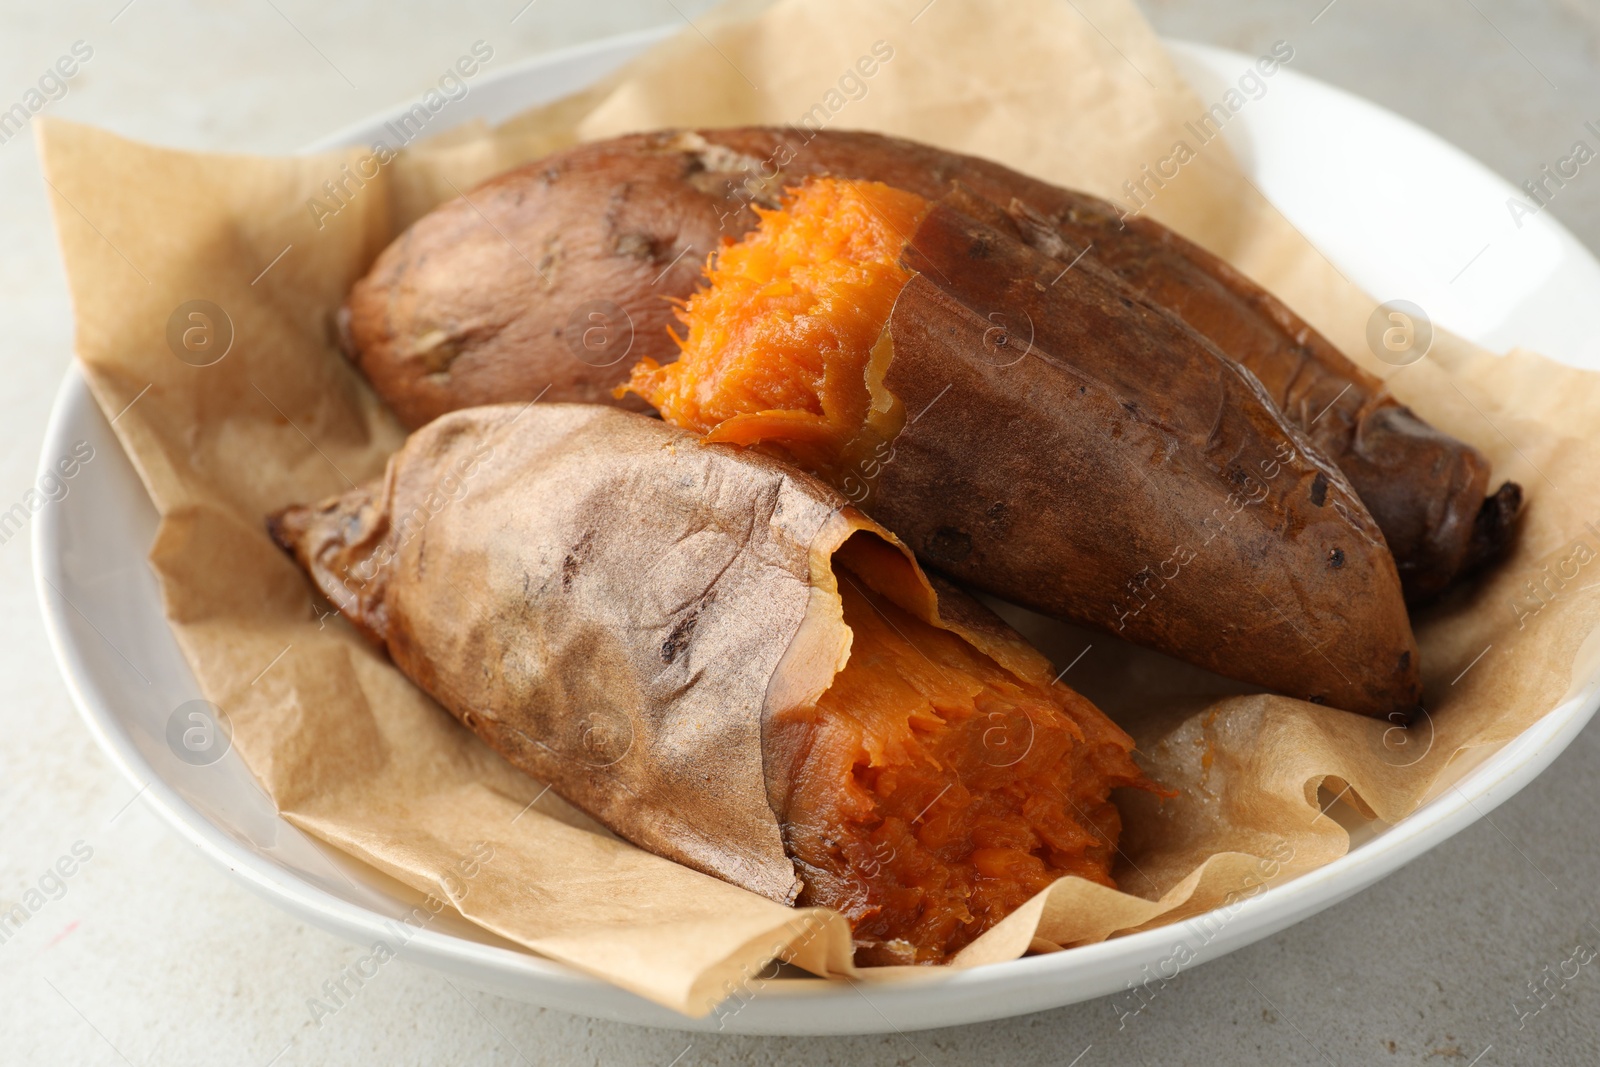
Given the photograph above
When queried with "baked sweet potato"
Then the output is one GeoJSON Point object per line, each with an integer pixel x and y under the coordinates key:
{"type": "Point", "coordinates": [1073, 448]}
{"type": "Point", "coordinates": [718, 658]}
{"type": "Point", "coordinates": [554, 276]}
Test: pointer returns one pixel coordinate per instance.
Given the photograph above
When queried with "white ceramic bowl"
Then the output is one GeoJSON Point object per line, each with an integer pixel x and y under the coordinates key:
{"type": "Point", "coordinates": [1400, 211]}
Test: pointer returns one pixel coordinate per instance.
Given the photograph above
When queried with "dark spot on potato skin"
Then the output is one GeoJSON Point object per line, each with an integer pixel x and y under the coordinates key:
{"type": "Point", "coordinates": [1319, 489]}
{"type": "Point", "coordinates": [636, 246]}
{"type": "Point", "coordinates": [678, 639]}
{"type": "Point", "coordinates": [574, 559]}
{"type": "Point", "coordinates": [1336, 560]}
{"type": "Point", "coordinates": [998, 518]}
{"type": "Point", "coordinates": [1405, 661]}
{"type": "Point", "coordinates": [949, 545]}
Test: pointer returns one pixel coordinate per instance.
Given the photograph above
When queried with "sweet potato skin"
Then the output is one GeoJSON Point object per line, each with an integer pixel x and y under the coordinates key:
{"type": "Point", "coordinates": [1425, 488]}
{"type": "Point", "coordinates": [433, 337]}
{"type": "Point", "coordinates": [588, 646]}
{"type": "Point", "coordinates": [1084, 453]}
{"type": "Point", "coordinates": [550, 280]}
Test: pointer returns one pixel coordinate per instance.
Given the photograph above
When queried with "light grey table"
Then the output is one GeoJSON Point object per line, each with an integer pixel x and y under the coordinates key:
{"type": "Point", "coordinates": [152, 956]}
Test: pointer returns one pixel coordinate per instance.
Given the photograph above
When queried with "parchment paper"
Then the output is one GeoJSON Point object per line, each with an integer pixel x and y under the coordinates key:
{"type": "Point", "coordinates": [1081, 94]}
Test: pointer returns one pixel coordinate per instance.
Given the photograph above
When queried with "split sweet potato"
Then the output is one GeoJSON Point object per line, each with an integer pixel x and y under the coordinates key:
{"type": "Point", "coordinates": [1073, 448]}
{"type": "Point", "coordinates": [718, 658]}
{"type": "Point", "coordinates": [555, 276]}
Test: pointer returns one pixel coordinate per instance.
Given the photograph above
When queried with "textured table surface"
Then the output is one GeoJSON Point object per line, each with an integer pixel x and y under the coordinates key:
{"type": "Point", "coordinates": [154, 956]}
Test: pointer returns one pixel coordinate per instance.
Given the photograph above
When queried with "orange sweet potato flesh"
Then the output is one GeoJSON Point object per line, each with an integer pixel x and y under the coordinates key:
{"type": "Point", "coordinates": [778, 344]}
{"type": "Point", "coordinates": [931, 792]}
{"type": "Point", "coordinates": [1091, 456]}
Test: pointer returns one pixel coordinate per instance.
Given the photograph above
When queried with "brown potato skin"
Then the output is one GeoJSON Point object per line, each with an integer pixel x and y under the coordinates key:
{"type": "Point", "coordinates": [1425, 488]}
{"type": "Point", "coordinates": [1072, 446]}
{"type": "Point", "coordinates": [486, 299]}
{"type": "Point", "coordinates": [453, 314]}
{"type": "Point", "coordinates": [555, 577]}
